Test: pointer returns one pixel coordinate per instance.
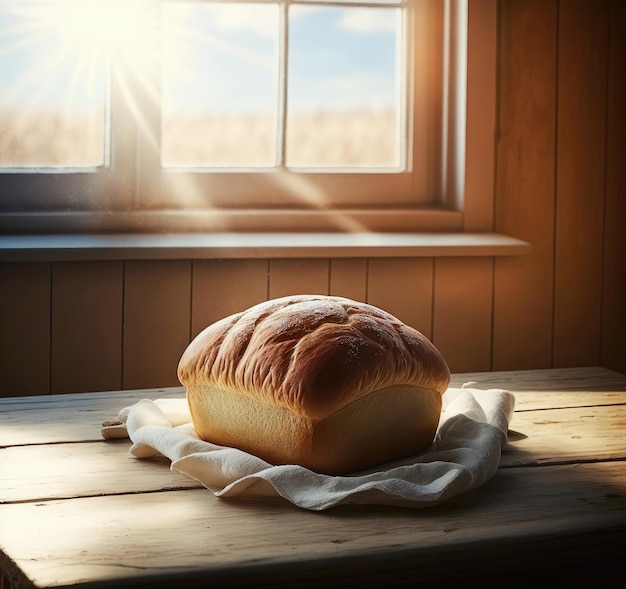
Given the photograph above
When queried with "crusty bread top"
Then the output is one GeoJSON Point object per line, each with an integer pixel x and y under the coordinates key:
{"type": "Point", "coordinates": [312, 354]}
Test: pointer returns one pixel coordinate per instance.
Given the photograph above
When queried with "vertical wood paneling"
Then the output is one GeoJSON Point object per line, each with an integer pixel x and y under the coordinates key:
{"type": "Point", "coordinates": [582, 86]}
{"type": "Point", "coordinates": [157, 308]}
{"type": "Point", "coordinates": [298, 276]}
{"type": "Point", "coordinates": [348, 278]}
{"type": "Point", "coordinates": [224, 287]}
{"type": "Point", "coordinates": [462, 312]}
{"type": "Point", "coordinates": [404, 288]}
{"type": "Point", "coordinates": [86, 326]}
{"type": "Point", "coordinates": [481, 120]}
{"type": "Point", "coordinates": [613, 345]}
{"type": "Point", "coordinates": [25, 329]}
{"type": "Point", "coordinates": [525, 179]}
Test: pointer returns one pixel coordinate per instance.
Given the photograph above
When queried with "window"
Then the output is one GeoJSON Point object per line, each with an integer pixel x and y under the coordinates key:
{"type": "Point", "coordinates": [232, 113]}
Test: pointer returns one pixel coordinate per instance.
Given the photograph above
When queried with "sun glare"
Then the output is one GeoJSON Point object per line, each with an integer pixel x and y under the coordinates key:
{"type": "Point", "coordinates": [55, 59]}
{"type": "Point", "coordinates": [98, 23]}
{"type": "Point", "coordinates": [101, 26]}
{"type": "Point", "coordinates": [201, 81]}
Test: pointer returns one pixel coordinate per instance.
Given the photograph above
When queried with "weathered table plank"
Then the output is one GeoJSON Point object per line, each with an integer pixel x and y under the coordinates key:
{"type": "Point", "coordinates": [554, 436]}
{"type": "Point", "coordinates": [552, 388]}
{"type": "Point", "coordinates": [67, 418]}
{"type": "Point", "coordinates": [586, 379]}
{"type": "Point", "coordinates": [192, 532]}
{"type": "Point", "coordinates": [58, 471]}
{"type": "Point", "coordinates": [79, 511]}
{"type": "Point", "coordinates": [105, 467]}
{"type": "Point", "coordinates": [77, 417]}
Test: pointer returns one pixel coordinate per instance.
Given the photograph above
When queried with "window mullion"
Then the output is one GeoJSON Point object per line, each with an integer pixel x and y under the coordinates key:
{"type": "Point", "coordinates": [406, 79]}
{"type": "Point", "coordinates": [145, 109]}
{"type": "Point", "coordinates": [123, 139]}
{"type": "Point", "coordinates": [283, 65]}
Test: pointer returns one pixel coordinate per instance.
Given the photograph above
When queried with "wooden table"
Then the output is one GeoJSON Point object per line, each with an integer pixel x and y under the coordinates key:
{"type": "Point", "coordinates": [79, 511]}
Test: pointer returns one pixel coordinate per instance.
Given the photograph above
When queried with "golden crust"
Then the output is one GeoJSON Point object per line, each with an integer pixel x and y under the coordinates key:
{"type": "Point", "coordinates": [312, 354]}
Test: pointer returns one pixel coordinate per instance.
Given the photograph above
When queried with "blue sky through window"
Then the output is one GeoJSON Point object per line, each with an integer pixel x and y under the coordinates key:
{"type": "Point", "coordinates": [217, 59]}
{"type": "Point", "coordinates": [340, 57]}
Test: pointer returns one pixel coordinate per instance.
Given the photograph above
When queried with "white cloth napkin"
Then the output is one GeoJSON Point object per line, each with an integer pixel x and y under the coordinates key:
{"type": "Point", "coordinates": [464, 455]}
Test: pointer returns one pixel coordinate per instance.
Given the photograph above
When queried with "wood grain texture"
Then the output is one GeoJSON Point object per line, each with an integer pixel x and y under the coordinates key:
{"type": "Point", "coordinates": [157, 308]}
{"type": "Point", "coordinates": [83, 470]}
{"type": "Point", "coordinates": [298, 276]}
{"type": "Point", "coordinates": [581, 136]}
{"type": "Point", "coordinates": [71, 417]}
{"type": "Point", "coordinates": [74, 513]}
{"type": "Point", "coordinates": [568, 435]}
{"type": "Point", "coordinates": [223, 287]}
{"type": "Point", "coordinates": [260, 543]}
{"type": "Point", "coordinates": [481, 105]}
{"type": "Point", "coordinates": [613, 343]}
{"type": "Point", "coordinates": [562, 380]}
{"type": "Point", "coordinates": [86, 326]}
{"type": "Point", "coordinates": [77, 417]}
{"type": "Point", "coordinates": [537, 437]}
{"type": "Point", "coordinates": [525, 184]}
{"type": "Point", "coordinates": [462, 312]}
{"type": "Point", "coordinates": [404, 288]}
{"type": "Point", "coordinates": [25, 332]}
{"type": "Point", "coordinates": [348, 278]}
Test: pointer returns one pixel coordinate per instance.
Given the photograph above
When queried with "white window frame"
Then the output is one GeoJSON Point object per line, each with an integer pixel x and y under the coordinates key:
{"type": "Point", "coordinates": [448, 187]}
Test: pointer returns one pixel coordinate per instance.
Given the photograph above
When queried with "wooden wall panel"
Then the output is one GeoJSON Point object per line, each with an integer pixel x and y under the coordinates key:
{"type": "Point", "coordinates": [482, 95]}
{"type": "Point", "coordinates": [462, 312]}
{"type": "Point", "coordinates": [404, 288]}
{"type": "Point", "coordinates": [613, 344]}
{"type": "Point", "coordinates": [86, 326]}
{"type": "Point", "coordinates": [157, 319]}
{"type": "Point", "coordinates": [581, 137]}
{"type": "Point", "coordinates": [25, 329]}
{"type": "Point", "coordinates": [223, 287]}
{"type": "Point", "coordinates": [348, 278]}
{"type": "Point", "coordinates": [525, 184]}
{"type": "Point", "coordinates": [298, 276]}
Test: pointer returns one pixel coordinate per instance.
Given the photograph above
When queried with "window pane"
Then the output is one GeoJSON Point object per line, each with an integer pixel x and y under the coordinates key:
{"type": "Point", "coordinates": [343, 87]}
{"type": "Point", "coordinates": [220, 88]}
{"type": "Point", "coordinates": [395, 2]}
{"type": "Point", "coordinates": [53, 79]}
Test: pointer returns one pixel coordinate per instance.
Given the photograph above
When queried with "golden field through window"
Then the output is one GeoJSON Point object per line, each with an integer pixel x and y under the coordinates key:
{"type": "Point", "coordinates": [245, 106]}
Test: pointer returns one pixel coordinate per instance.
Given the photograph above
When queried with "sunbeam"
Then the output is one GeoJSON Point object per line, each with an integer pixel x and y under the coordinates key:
{"type": "Point", "coordinates": [55, 59]}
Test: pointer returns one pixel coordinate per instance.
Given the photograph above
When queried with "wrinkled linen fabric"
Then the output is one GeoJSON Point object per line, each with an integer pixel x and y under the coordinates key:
{"type": "Point", "coordinates": [465, 454]}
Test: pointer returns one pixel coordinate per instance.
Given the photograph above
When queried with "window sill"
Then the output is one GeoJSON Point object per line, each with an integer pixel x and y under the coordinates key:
{"type": "Point", "coordinates": [52, 248]}
{"type": "Point", "coordinates": [223, 220]}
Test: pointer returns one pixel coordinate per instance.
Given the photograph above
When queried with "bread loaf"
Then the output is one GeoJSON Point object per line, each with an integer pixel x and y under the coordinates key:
{"type": "Point", "coordinates": [325, 382]}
